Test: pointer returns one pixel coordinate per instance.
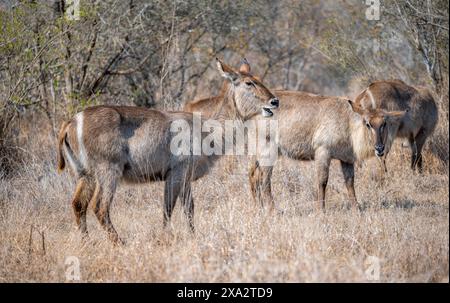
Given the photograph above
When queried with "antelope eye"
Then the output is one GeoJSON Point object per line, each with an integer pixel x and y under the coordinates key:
{"type": "Point", "coordinates": [368, 125]}
{"type": "Point", "coordinates": [249, 83]}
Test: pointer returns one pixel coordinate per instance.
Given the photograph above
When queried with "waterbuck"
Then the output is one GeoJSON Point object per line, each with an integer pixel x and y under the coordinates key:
{"type": "Point", "coordinates": [418, 124]}
{"type": "Point", "coordinates": [208, 106]}
{"type": "Point", "coordinates": [106, 144]}
{"type": "Point", "coordinates": [319, 128]}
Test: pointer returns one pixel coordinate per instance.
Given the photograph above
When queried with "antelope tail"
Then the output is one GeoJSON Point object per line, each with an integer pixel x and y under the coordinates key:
{"type": "Point", "coordinates": [61, 138]}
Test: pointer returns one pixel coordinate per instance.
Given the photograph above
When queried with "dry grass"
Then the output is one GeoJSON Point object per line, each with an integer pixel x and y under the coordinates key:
{"type": "Point", "coordinates": [405, 223]}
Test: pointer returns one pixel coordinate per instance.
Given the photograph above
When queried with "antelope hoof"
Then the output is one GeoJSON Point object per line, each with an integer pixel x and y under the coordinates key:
{"type": "Point", "coordinates": [280, 212]}
{"type": "Point", "coordinates": [355, 207]}
{"type": "Point", "coordinates": [120, 242]}
{"type": "Point", "coordinates": [116, 240]}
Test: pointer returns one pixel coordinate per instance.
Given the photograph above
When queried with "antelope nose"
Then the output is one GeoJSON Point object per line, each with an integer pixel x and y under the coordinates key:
{"type": "Point", "coordinates": [379, 149]}
{"type": "Point", "coordinates": [275, 102]}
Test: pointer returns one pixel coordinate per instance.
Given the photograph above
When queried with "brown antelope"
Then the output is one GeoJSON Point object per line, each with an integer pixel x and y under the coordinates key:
{"type": "Point", "coordinates": [313, 127]}
{"type": "Point", "coordinates": [106, 144]}
{"type": "Point", "coordinates": [208, 106]}
{"type": "Point", "coordinates": [418, 124]}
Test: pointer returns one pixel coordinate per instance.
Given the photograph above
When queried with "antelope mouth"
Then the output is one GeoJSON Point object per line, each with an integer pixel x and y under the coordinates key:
{"type": "Point", "coordinates": [267, 112]}
{"type": "Point", "coordinates": [379, 154]}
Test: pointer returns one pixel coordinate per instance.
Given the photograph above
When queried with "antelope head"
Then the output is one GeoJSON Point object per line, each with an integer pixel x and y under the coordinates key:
{"type": "Point", "coordinates": [250, 96]}
{"type": "Point", "coordinates": [382, 126]}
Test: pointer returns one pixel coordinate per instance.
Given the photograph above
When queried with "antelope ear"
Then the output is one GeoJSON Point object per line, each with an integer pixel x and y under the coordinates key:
{"type": "Point", "coordinates": [397, 115]}
{"type": "Point", "coordinates": [245, 66]}
{"type": "Point", "coordinates": [226, 71]}
{"type": "Point", "coordinates": [356, 108]}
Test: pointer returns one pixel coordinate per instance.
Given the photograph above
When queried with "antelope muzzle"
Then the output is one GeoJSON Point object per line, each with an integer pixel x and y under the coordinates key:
{"type": "Point", "coordinates": [274, 103]}
{"type": "Point", "coordinates": [379, 150]}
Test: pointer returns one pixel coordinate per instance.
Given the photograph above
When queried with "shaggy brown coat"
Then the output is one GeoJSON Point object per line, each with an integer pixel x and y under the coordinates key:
{"type": "Point", "coordinates": [421, 120]}
{"type": "Point", "coordinates": [319, 128]}
{"type": "Point", "coordinates": [106, 144]}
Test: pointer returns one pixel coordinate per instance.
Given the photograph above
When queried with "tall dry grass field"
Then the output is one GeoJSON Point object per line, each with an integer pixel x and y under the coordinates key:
{"type": "Point", "coordinates": [404, 225]}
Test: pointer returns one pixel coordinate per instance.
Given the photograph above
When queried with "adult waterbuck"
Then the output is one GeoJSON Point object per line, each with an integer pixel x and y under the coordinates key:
{"type": "Point", "coordinates": [319, 128]}
{"type": "Point", "coordinates": [106, 144]}
{"type": "Point", "coordinates": [421, 119]}
{"type": "Point", "coordinates": [313, 127]}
